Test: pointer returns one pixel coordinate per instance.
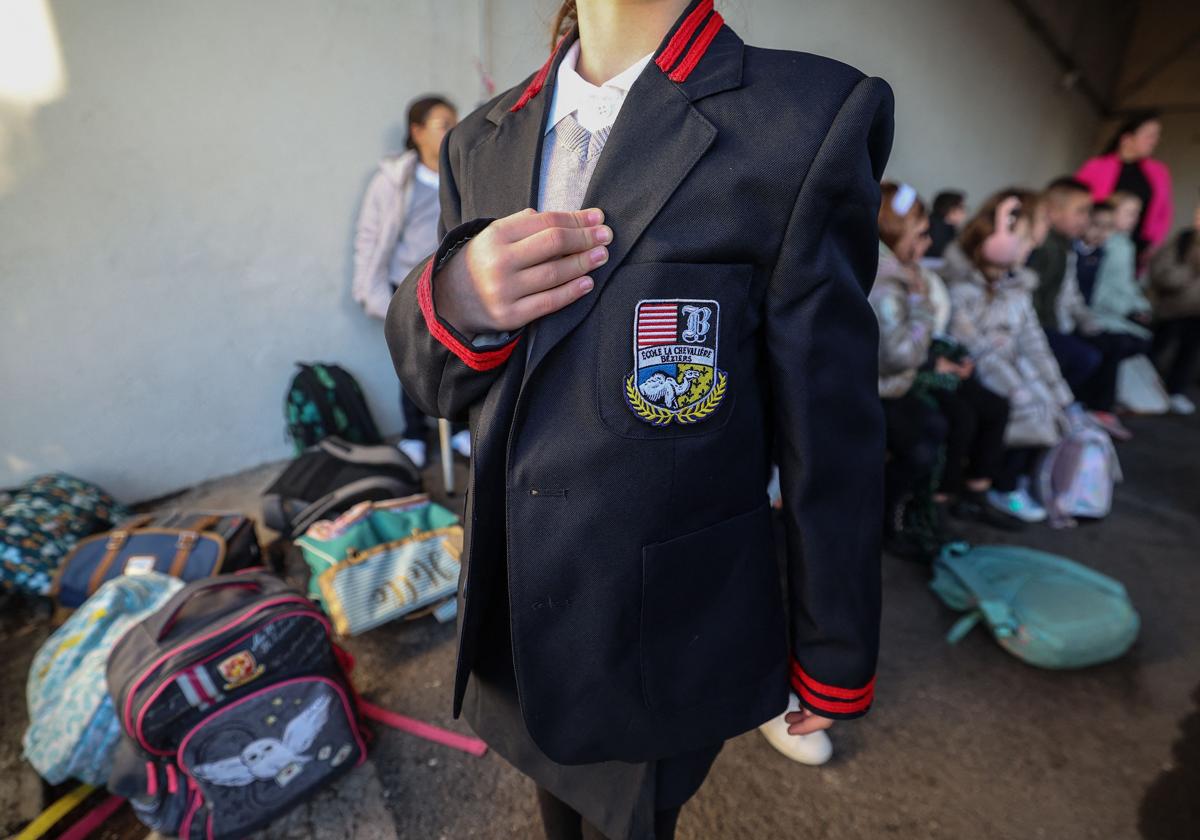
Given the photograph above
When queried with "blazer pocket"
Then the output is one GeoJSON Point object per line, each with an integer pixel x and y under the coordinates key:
{"type": "Point", "coordinates": [712, 612]}
{"type": "Point", "coordinates": [666, 363]}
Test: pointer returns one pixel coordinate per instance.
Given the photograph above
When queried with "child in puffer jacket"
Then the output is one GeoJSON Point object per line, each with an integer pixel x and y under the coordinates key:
{"type": "Point", "coordinates": [993, 317]}
{"type": "Point", "coordinates": [916, 429]}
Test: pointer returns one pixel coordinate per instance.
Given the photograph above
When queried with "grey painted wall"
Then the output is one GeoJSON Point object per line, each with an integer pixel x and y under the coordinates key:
{"type": "Point", "coordinates": [175, 230]}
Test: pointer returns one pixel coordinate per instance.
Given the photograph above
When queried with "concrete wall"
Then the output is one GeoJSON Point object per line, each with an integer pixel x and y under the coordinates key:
{"type": "Point", "coordinates": [175, 230]}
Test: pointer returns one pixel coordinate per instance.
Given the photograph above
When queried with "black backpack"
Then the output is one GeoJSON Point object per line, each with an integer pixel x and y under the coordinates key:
{"type": "Point", "coordinates": [325, 400]}
{"type": "Point", "coordinates": [234, 706]}
{"type": "Point", "coordinates": [333, 476]}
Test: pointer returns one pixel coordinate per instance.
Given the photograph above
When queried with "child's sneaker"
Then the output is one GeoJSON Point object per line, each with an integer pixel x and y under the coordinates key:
{"type": "Point", "coordinates": [1180, 404]}
{"type": "Point", "coordinates": [814, 749]}
{"type": "Point", "coordinates": [415, 450]}
{"type": "Point", "coordinates": [1018, 503]}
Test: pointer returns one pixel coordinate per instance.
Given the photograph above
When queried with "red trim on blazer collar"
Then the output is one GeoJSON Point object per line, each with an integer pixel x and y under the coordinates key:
{"type": "Point", "coordinates": [674, 48]}
{"type": "Point", "coordinates": [698, 49]}
{"type": "Point", "coordinates": [664, 60]}
{"type": "Point", "coordinates": [474, 359]}
{"type": "Point", "coordinates": [820, 695]}
{"type": "Point", "coordinates": [539, 80]}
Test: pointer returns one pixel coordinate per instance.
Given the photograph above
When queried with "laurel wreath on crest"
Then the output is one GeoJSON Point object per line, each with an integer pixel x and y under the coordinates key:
{"type": "Point", "coordinates": [659, 416]}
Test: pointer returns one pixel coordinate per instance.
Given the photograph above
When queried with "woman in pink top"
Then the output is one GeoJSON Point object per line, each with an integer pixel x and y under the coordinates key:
{"type": "Point", "coordinates": [1127, 165]}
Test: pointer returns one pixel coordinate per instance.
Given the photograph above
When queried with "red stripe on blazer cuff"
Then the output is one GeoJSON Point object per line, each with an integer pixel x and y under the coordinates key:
{"type": "Point", "coordinates": [475, 359]}
{"type": "Point", "coordinates": [837, 707]}
{"type": "Point", "coordinates": [800, 676]}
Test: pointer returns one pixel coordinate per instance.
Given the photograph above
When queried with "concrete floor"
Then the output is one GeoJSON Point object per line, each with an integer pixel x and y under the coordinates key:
{"type": "Point", "coordinates": [964, 741]}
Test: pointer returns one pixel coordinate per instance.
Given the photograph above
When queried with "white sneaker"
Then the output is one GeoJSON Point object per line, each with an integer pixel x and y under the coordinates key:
{"type": "Point", "coordinates": [1018, 503]}
{"type": "Point", "coordinates": [1180, 404]}
{"type": "Point", "coordinates": [461, 443]}
{"type": "Point", "coordinates": [814, 749]}
{"type": "Point", "coordinates": [1032, 505]}
{"type": "Point", "coordinates": [415, 450]}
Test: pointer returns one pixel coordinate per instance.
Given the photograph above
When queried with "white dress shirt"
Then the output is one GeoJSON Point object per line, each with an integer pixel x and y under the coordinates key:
{"type": "Point", "coordinates": [594, 106]}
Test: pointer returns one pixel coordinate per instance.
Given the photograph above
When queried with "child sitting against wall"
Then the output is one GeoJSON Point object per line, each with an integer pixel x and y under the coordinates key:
{"type": "Point", "coordinates": [916, 429]}
{"type": "Point", "coordinates": [1088, 356]}
{"type": "Point", "coordinates": [994, 319]}
{"type": "Point", "coordinates": [1175, 288]}
{"type": "Point", "coordinates": [1117, 301]}
{"type": "Point", "coordinates": [975, 416]}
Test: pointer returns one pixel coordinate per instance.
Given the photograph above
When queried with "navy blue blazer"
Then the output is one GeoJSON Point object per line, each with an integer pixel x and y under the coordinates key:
{"type": "Point", "coordinates": [621, 446]}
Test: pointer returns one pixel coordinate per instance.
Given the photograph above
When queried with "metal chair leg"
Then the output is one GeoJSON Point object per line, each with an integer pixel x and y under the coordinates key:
{"type": "Point", "coordinates": [447, 456]}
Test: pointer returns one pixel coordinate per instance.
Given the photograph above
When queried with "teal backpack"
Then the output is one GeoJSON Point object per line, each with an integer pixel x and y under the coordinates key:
{"type": "Point", "coordinates": [323, 400]}
{"type": "Point", "coordinates": [1046, 610]}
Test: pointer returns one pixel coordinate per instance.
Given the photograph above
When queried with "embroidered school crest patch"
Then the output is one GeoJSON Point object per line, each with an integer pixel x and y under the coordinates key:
{"type": "Point", "coordinates": [675, 377]}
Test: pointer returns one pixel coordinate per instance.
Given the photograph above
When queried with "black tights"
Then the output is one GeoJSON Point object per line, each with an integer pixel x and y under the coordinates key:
{"type": "Point", "coordinates": [975, 439]}
{"type": "Point", "coordinates": [562, 822]}
{"type": "Point", "coordinates": [1018, 461]}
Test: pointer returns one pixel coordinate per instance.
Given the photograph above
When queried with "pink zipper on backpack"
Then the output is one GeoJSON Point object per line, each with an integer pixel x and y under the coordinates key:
{"type": "Point", "coordinates": [185, 827]}
{"type": "Point", "coordinates": [137, 730]}
{"type": "Point", "coordinates": [127, 712]}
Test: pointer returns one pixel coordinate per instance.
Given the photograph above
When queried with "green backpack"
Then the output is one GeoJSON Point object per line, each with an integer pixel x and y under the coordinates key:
{"type": "Point", "coordinates": [323, 401]}
{"type": "Point", "coordinates": [1046, 610]}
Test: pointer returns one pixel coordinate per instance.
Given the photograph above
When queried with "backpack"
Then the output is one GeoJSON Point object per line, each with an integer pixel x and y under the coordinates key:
{"type": "Point", "coordinates": [233, 707]}
{"type": "Point", "coordinates": [325, 400]}
{"type": "Point", "coordinates": [1045, 610]}
{"type": "Point", "coordinates": [42, 521]}
{"type": "Point", "coordinates": [1076, 476]}
{"type": "Point", "coordinates": [332, 477]}
{"type": "Point", "coordinates": [381, 561]}
{"type": "Point", "coordinates": [72, 728]}
{"type": "Point", "coordinates": [188, 553]}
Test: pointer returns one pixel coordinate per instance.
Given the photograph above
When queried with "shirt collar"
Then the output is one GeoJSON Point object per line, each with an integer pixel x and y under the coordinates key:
{"type": "Point", "coordinates": [426, 175]}
{"type": "Point", "coordinates": [594, 106]}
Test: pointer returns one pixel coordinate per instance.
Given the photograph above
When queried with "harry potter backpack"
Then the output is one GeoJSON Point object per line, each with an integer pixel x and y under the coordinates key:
{"type": "Point", "coordinates": [233, 705]}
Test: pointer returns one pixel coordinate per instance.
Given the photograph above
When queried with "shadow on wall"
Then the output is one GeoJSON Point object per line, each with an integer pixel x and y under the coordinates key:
{"type": "Point", "coordinates": [31, 75]}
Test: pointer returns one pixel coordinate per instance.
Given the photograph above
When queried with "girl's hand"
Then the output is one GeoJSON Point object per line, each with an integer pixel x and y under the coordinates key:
{"type": "Point", "coordinates": [521, 268]}
{"type": "Point", "coordinates": [805, 722]}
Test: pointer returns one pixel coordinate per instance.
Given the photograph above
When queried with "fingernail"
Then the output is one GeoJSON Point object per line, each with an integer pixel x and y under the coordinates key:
{"type": "Point", "coordinates": [599, 255]}
{"type": "Point", "coordinates": [604, 234]}
{"type": "Point", "coordinates": [595, 217]}
{"type": "Point", "coordinates": [586, 284]}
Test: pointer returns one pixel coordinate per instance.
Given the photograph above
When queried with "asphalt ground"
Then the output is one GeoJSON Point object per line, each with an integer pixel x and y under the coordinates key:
{"type": "Point", "coordinates": [964, 741]}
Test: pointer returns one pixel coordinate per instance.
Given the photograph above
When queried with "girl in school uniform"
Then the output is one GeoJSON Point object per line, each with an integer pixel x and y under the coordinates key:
{"type": "Point", "coordinates": [652, 275]}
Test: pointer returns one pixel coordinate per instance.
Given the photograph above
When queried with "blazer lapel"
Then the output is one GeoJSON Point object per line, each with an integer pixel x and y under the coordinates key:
{"type": "Point", "coordinates": [507, 161]}
{"type": "Point", "coordinates": [657, 139]}
{"type": "Point", "coordinates": [655, 142]}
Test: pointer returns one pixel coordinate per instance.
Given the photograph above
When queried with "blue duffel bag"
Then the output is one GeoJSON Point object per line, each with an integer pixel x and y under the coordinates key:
{"type": "Point", "coordinates": [185, 553]}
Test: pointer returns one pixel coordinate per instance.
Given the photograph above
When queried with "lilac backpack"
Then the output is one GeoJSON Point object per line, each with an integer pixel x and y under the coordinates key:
{"type": "Point", "coordinates": [1076, 476]}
